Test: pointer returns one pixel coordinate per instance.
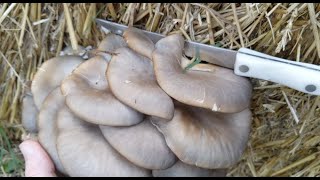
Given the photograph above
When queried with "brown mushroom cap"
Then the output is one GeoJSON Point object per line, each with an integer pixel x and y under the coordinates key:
{"type": "Point", "coordinates": [219, 90]}
{"type": "Point", "coordinates": [204, 138]}
{"type": "Point", "coordinates": [139, 42]}
{"type": "Point", "coordinates": [132, 81]}
{"type": "Point", "coordinates": [89, 97]}
{"type": "Point", "coordinates": [50, 75]}
{"type": "Point", "coordinates": [141, 144]}
{"type": "Point", "coordinates": [84, 151]}
{"type": "Point", "coordinates": [180, 169]}
{"type": "Point", "coordinates": [47, 120]}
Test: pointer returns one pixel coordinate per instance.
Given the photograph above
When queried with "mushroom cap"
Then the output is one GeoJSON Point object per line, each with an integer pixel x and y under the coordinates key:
{"type": "Point", "coordinates": [204, 138]}
{"type": "Point", "coordinates": [138, 41]}
{"type": "Point", "coordinates": [131, 79]}
{"type": "Point", "coordinates": [180, 169]}
{"type": "Point", "coordinates": [142, 144]}
{"type": "Point", "coordinates": [88, 96]}
{"type": "Point", "coordinates": [82, 51]}
{"type": "Point", "coordinates": [109, 44]}
{"type": "Point", "coordinates": [47, 123]}
{"type": "Point", "coordinates": [29, 114]}
{"type": "Point", "coordinates": [50, 75]}
{"type": "Point", "coordinates": [84, 151]}
{"type": "Point", "coordinates": [219, 90]}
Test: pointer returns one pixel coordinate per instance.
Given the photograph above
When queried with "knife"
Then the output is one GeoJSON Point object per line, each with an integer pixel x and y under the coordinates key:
{"type": "Point", "coordinates": [245, 62]}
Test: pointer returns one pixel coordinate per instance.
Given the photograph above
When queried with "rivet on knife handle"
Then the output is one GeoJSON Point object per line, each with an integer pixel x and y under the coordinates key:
{"type": "Point", "coordinates": [296, 75]}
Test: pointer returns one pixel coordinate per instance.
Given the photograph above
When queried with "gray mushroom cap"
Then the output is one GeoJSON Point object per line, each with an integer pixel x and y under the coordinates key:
{"type": "Point", "coordinates": [112, 42]}
{"type": "Point", "coordinates": [89, 97]}
{"type": "Point", "coordinates": [84, 151]}
{"type": "Point", "coordinates": [141, 144]}
{"type": "Point", "coordinates": [139, 42]}
{"type": "Point", "coordinates": [29, 111]}
{"type": "Point", "coordinates": [50, 75]}
{"type": "Point", "coordinates": [108, 45]}
{"type": "Point", "coordinates": [204, 138]}
{"type": "Point", "coordinates": [29, 114]}
{"type": "Point", "coordinates": [132, 81]}
{"type": "Point", "coordinates": [180, 169]}
{"type": "Point", "coordinates": [47, 123]}
{"type": "Point", "coordinates": [219, 90]}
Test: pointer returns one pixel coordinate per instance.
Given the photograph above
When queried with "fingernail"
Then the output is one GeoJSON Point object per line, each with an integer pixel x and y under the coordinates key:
{"type": "Point", "coordinates": [37, 162]}
{"type": "Point", "coordinates": [26, 149]}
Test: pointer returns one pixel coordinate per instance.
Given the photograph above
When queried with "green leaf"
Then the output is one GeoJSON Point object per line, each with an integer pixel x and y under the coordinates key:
{"type": "Point", "coordinates": [100, 11]}
{"type": "Point", "coordinates": [195, 62]}
{"type": "Point", "coordinates": [1, 155]}
{"type": "Point", "coordinates": [10, 166]}
{"type": "Point", "coordinates": [218, 44]}
{"type": "Point", "coordinates": [14, 162]}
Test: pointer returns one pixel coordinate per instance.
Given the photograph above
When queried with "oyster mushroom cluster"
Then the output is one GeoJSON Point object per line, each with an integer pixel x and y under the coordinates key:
{"type": "Point", "coordinates": [132, 109]}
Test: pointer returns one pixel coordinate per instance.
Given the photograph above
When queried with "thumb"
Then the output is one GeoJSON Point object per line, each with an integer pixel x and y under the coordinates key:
{"type": "Point", "coordinates": [37, 161]}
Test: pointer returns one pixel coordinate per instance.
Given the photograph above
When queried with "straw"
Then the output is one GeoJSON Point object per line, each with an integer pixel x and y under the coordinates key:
{"type": "Point", "coordinates": [32, 33]}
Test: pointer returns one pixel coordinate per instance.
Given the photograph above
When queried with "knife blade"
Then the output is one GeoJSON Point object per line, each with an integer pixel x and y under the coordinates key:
{"type": "Point", "coordinates": [211, 54]}
{"type": "Point", "coordinates": [245, 62]}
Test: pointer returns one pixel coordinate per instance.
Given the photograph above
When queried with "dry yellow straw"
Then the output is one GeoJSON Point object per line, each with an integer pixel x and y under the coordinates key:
{"type": "Point", "coordinates": [34, 33]}
{"type": "Point", "coordinates": [73, 39]}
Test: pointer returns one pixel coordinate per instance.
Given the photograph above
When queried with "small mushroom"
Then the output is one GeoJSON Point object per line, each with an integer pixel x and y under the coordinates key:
{"type": "Point", "coordinates": [132, 81]}
{"type": "Point", "coordinates": [108, 45]}
{"type": "Point", "coordinates": [219, 90]}
{"type": "Point", "coordinates": [83, 150]}
{"type": "Point", "coordinates": [82, 51]}
{"type": "Point", "coordinates": [29, 111]}
{"type": "Point", "coordinates": [112, 42]}
{"type": "Point", "coordinates": [204, 138]}
{"type": "Point", "coordinates": [50, 75]}
{"type": "Point", "coordinates": [29, 114]}
{"type": "Point", "coordinates": [139, 42]}
{"type": "Point", "coordinates": [47, 120]}
{"type": "Point", "coordinates": [180, 169]}
{"type": "Point", "coordinates": [142, 144]}
{"type": "Point", "coordinates": [89, 97]}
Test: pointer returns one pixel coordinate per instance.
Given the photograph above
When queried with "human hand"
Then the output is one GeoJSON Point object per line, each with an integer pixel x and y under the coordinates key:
{"type": "Point", "coordinates": [37, 162]}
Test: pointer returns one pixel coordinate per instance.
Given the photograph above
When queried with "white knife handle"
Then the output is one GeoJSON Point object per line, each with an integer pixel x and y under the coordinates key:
{"type": "Point", "coordinates": [303, 77]}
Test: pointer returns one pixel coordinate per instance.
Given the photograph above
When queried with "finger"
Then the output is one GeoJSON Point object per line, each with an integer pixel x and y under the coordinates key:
{"type": "Point", "coordinates": [37, 161]}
